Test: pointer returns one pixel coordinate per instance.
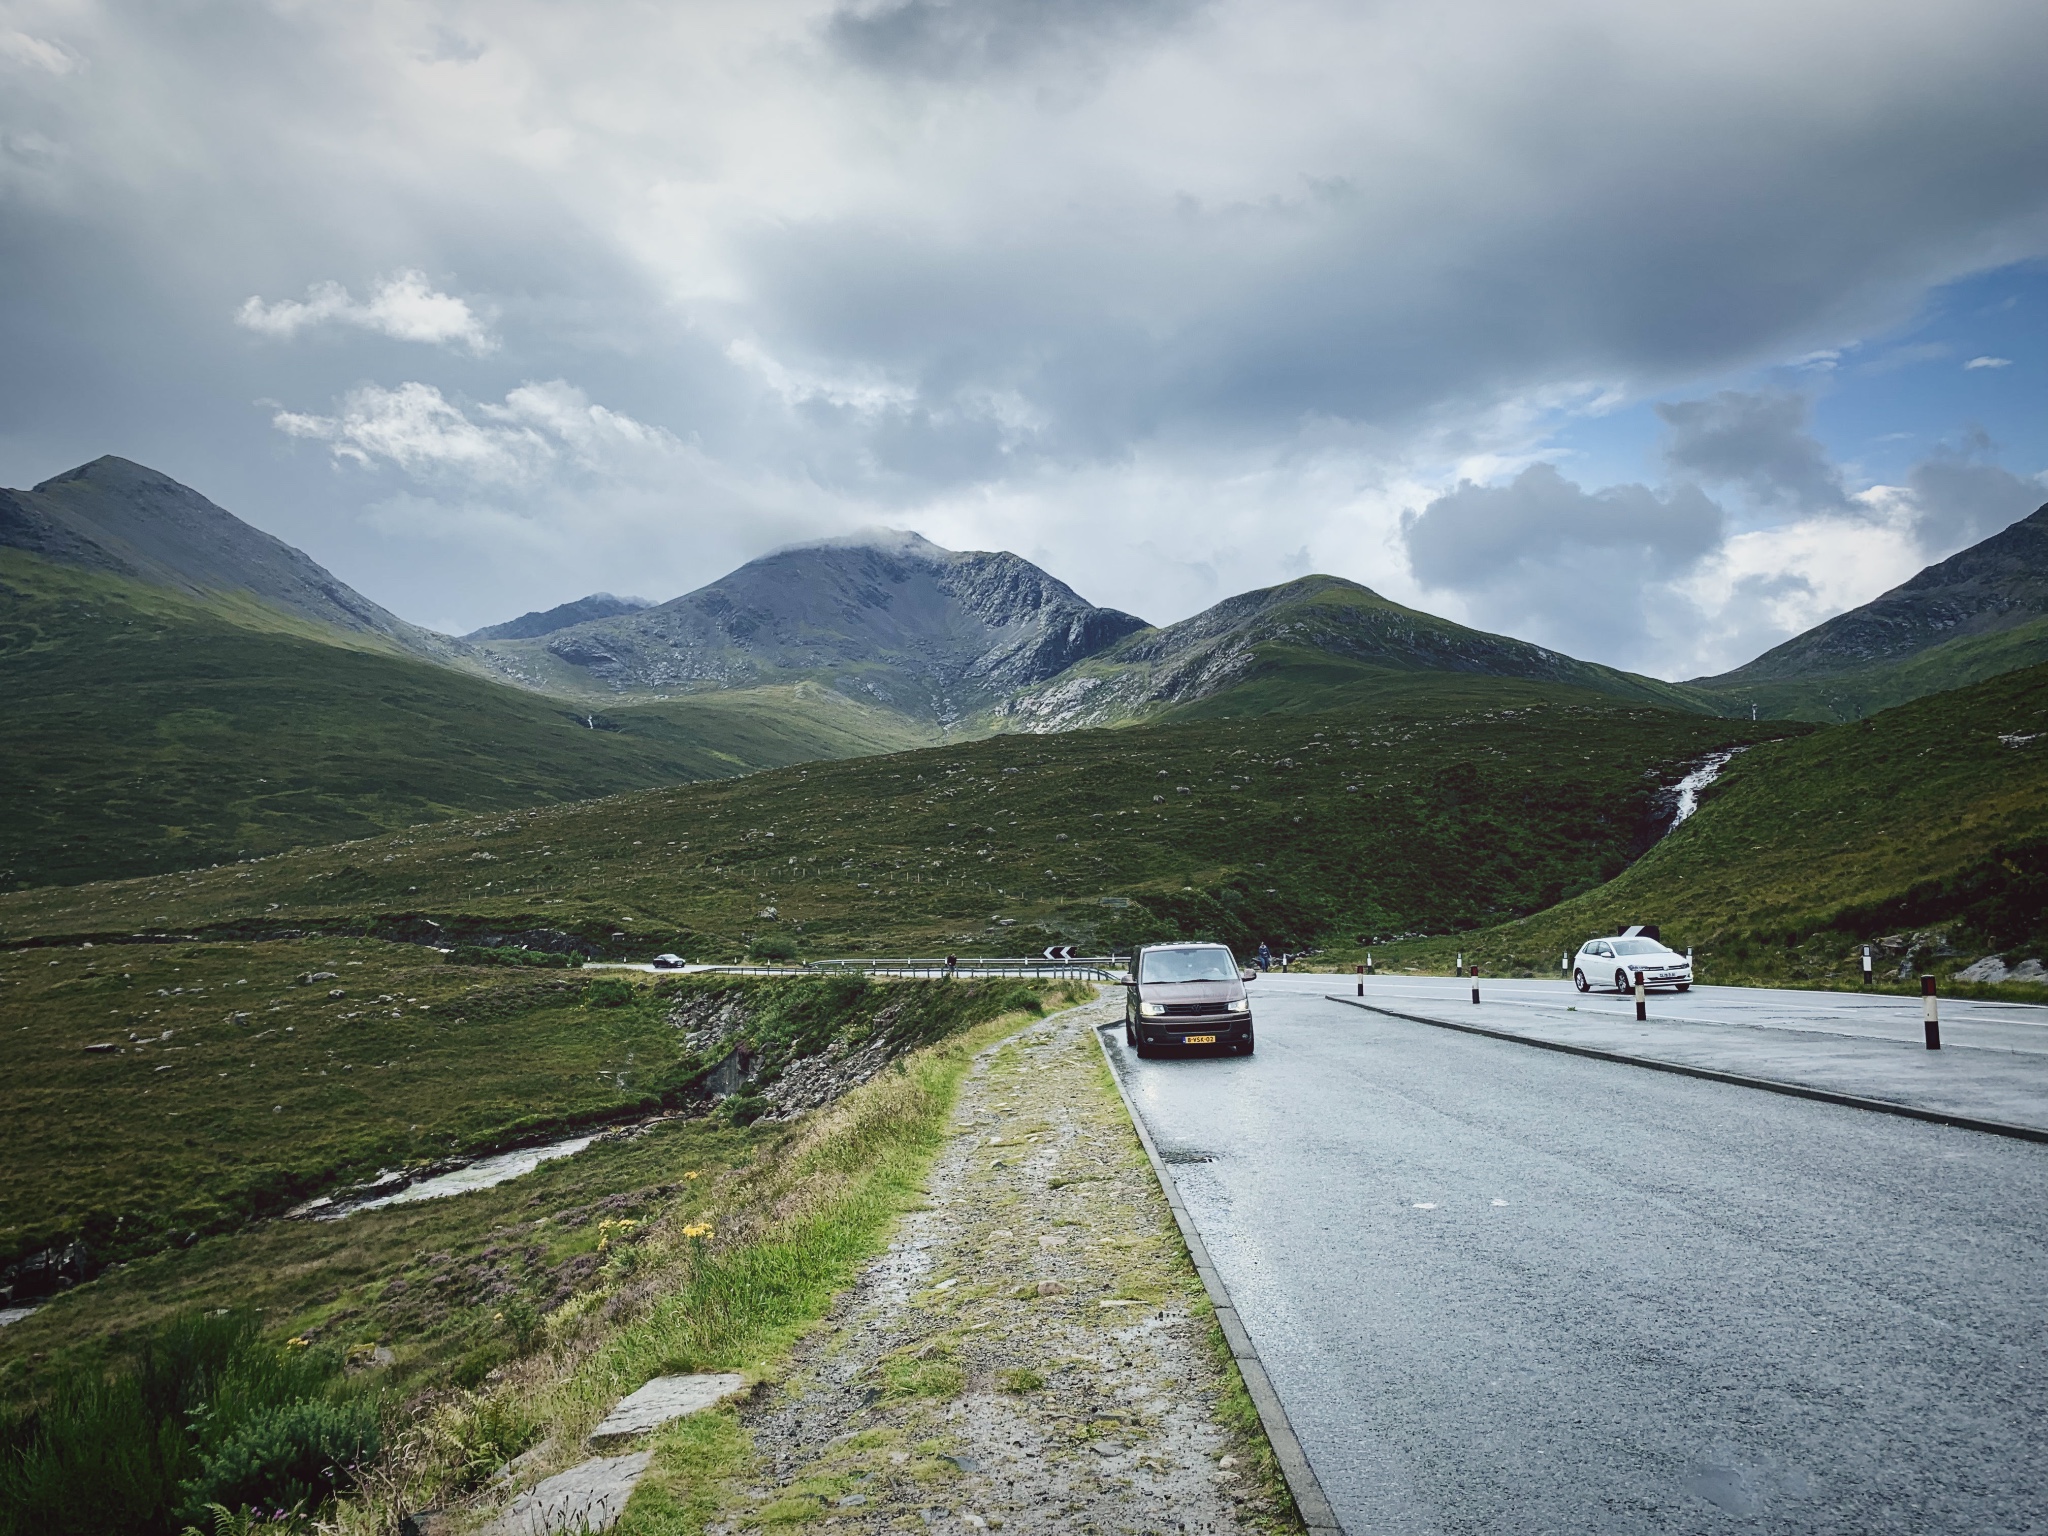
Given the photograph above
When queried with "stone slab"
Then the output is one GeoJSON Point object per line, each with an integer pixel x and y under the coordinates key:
{"type": "Point", "coordinates": [586, 1498]}
{"type": "Point", "coordinates": [661, 1401]}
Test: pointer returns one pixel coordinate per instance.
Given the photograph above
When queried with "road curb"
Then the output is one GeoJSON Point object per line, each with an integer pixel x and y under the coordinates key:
{"type": "Point", "coordinates": [1309, 1499]}
{"type": "Point", "coordinates": [1737, 1079]}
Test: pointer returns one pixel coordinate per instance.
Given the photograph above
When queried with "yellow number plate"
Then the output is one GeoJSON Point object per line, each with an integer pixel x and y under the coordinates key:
{"type": "Point", "coordinates": [1197, 1039]}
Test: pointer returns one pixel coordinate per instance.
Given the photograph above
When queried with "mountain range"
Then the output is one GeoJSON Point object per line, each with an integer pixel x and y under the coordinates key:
{"type": "Point", "coordinates": [184, 687]}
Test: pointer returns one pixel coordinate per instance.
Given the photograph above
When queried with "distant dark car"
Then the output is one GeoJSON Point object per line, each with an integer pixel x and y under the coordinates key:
{"type": "Point", "coordinates": [669, 962]}
{"type": "Point", "coordinates": [1187, 995]}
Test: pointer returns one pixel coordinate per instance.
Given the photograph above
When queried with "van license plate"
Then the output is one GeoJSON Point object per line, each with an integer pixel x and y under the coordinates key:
{"type": "Point", "coordinates": [1197, 1039]}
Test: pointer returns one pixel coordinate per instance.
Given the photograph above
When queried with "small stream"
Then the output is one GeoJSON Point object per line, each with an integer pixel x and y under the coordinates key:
{"type": "Point", "coordinates": [394, 1188]}
{"type": "Point", "coordinates": [14, 1314]}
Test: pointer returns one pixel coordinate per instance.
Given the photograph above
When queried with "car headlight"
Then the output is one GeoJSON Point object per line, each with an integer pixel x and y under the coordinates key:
{"type": "Point", "coordinates": [1151, 1010]}
{"type": "Point", "coordinates": [1242, 1005]}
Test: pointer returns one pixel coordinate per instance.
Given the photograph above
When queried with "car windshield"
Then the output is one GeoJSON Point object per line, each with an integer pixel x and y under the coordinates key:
{"type": "Point", "coordinates": [1206, 964]}
{"type": "Point", "coordinates": [1637, 947]}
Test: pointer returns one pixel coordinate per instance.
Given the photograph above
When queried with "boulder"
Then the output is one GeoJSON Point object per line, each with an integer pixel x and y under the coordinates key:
{"type": "Point", "coordinates": [587, 1498]}
{"type": "Point", "coordinates": [662, 1400]}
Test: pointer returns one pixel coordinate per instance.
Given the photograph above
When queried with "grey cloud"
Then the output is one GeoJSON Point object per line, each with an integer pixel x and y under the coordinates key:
{"type": "Point", "coordinates": [1757, 442]}
{"type": "Point", "coordinates": [1586, 571]}
{"type": "Point", "coordinates": [1482, 536]}
{"type": "Point", "coordinates": [948, 39]}
{"type": "Point", "coordinates": [1960, 497]}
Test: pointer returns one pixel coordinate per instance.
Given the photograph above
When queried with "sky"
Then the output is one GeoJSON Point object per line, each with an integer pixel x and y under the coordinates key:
{"type": "Point", "coordinates": [1656, 334]}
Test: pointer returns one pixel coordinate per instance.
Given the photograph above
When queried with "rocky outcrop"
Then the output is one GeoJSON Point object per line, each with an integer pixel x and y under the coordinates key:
{"type": "Point", "coordinates": [891, 617]}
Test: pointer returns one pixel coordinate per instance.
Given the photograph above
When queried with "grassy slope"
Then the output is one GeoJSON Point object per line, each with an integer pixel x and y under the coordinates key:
{"type": "Point", "coordinates": [1820, 840]}
{"type": "Point", "coordinates": [149, 732]}
{"type": "Point", "coordinates": [265, 1091]}
{"type": "Point", "coordinates": [1374, 821]}
{"type": "Point", "coordinates": [1853, 695]}
{"type": "Point", "coordinates": [595, 1270]}
{"type": "Point", "coordinates": [1315, 644]}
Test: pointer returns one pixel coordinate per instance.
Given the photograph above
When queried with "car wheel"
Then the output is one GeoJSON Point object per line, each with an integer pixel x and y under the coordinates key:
{"type": "Point", "coordinates": [1130, 1034]}
{"type": "Point", "coordinates": [1246, 1048]}
{"type": "Point", "coordinates": [1622, 983]}
{"type": "Point", "coordinates": [1685, 986]}
{"type": "Point", "coordinates": [1579, 981]}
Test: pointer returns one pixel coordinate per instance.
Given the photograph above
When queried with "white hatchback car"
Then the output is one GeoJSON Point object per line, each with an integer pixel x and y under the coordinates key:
{"type": "Point", "coordinates": [1616, 960]}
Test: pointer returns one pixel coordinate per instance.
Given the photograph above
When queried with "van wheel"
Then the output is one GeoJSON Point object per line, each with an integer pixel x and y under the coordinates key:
{"type": "Point", "coordinates": [1579, 981]}
{"type": "Point", "coordinates": [1685, 986]}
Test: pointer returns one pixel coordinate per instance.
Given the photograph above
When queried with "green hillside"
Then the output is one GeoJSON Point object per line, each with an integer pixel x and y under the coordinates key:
{"type": "Point", "coordinates": [1931, 816]}
{"type": "Point", "coordinates": [1317, 643]}
{"type": "Point", "coordinates": [1982, 611]}
{"type": "Point", "coordinates": [151, 730]}
{"type": "Point", "coordinates": [1854, 693]}
{"type": "Point", "coordinates": [1494, 800]}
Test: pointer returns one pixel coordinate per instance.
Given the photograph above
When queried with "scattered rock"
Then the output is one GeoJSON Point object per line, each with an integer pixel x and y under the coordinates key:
{"type": "Point", "coordinates": [663, 1399]}
{"type": "Point", "coordinates": [1050, 1288]}
{"type": "Point", "coordinates": [336, 993]}
{"type": "Point", "coordinates": [103, 1048]}
{"type": "Point", "coordinates": [1992, 968]}
{"type": "Point", "coordinates": [585, 1499]}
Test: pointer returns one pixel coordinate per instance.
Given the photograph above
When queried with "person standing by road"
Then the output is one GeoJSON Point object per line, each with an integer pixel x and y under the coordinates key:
{"type": "Point", "coordinates": [1265, 956]}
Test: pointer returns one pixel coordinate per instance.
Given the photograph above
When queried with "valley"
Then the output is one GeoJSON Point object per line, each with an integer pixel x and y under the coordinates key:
{"type": "Point", "coordinates": [270, 856]}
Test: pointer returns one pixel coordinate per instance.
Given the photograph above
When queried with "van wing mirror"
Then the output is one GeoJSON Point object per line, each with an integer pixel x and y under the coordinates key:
{"type": "Point", "coordinates": [1247, 974]}
{"type": "Point", "coordinates": [1127, 980]}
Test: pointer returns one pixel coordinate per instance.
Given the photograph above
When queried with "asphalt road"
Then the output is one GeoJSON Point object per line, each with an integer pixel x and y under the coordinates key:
{"type": "Point", "coordinates": [1502, 1289]}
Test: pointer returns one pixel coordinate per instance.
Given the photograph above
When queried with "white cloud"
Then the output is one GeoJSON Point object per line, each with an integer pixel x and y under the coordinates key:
{"type": "Point", "coordinates": [538, 430]}
{"type": "Point", "coordinates": [403, 306]}
{"type": "Point", "coordinates": [1988, 362]}
{"type": "Point", "coordinates": [19, 48]}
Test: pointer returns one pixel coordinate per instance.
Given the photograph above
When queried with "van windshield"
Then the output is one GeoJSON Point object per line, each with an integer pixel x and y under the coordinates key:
{"type": "Point", "coordinates": [1211, 963]}
{"type": "Point", "coordinates": [1636, 946]}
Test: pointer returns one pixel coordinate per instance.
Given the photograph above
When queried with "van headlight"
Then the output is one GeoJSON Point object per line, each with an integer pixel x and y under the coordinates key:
{"type": "Point", "coordinates": [1242, 1005]}
{"type": "Point", "coordinates": [1151, 1010]}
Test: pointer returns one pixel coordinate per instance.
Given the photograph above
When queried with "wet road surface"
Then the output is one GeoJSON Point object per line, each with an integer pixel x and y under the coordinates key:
{"type": "Point", "coordinates": [1502, 1290]}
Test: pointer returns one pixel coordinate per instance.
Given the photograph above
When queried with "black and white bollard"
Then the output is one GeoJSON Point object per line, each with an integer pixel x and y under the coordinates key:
{"type": "Point", "coordinates": [1368, 962]}
{"type": "Point", "coordinates": [1866, 965]}
{"type": "Point", "coordinates": [1932, 1006]}
{"type": "Point", "coordinates": [1361, 981]}
{"type": "Point", "coordinates": [1475, 983]}
{"type": "Point", "coordinates": [1642, 1011]}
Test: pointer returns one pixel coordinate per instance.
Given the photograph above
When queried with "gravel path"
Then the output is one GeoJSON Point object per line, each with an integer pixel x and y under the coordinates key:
{"type": "Point", "coordinates": [1032, 1352]}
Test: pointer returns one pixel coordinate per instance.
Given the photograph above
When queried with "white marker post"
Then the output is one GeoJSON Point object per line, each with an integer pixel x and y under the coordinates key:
{"type": "Point", "coordinates": [1475, 984]}
{"type": "Point", "coordinates": [1932, 1006]}
{"type": "Point", "coordinates": [1642, 1012]}
{"type": "Point", "coordinates": [1866, 965]}
{"type": "Point", "coordinates": [1361, 981]}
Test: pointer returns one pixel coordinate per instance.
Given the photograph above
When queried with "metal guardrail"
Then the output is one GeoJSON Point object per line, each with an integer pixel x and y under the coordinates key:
{"type": "Point", "coordinates": [1079, 968]}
